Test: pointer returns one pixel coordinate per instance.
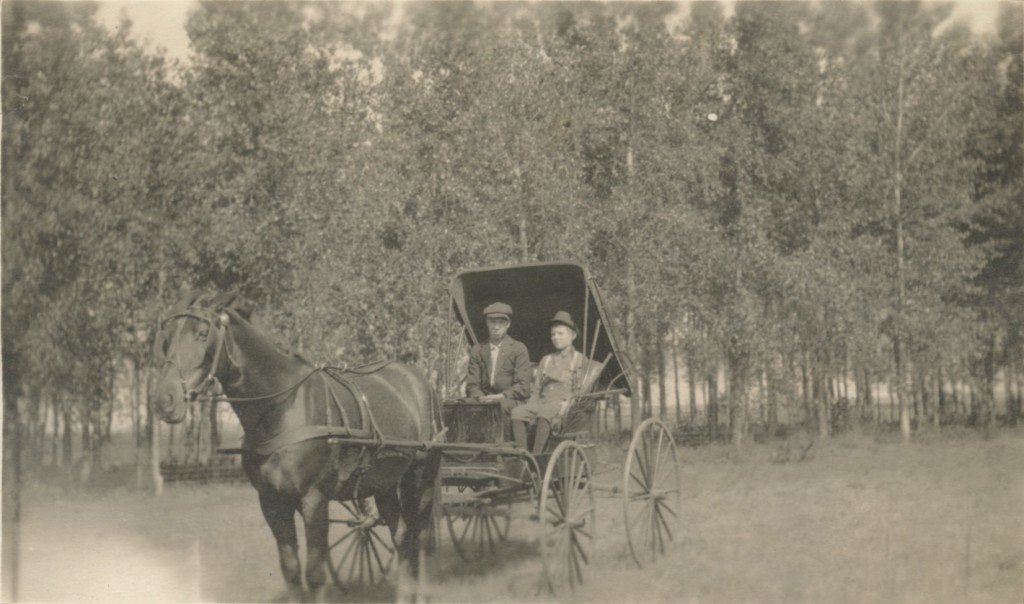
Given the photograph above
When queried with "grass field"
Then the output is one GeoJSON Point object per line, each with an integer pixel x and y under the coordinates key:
{"type": "Point", "coordinates": [861, 519]}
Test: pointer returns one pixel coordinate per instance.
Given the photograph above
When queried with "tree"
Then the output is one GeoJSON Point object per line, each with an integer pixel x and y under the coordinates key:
{"type": "Point", "coordinates": [910, 83]}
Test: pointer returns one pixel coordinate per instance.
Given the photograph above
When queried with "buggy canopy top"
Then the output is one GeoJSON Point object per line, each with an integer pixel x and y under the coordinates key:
{"type": "Point", "coordinates": [536, 292]}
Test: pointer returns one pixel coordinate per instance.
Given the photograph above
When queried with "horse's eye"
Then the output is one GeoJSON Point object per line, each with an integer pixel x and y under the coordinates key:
{"type": "Point", "coordinates": [204, 334]}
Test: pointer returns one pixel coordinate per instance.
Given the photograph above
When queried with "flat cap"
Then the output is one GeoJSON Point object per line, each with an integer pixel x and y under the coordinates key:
{"type": "Point", "coordinates": [563, 318]}
{"type": "Point", "coordinates": [499, 309]}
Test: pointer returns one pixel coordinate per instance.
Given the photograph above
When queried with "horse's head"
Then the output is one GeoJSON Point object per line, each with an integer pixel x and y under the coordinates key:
{"type": "Point", "coordinates": [191, 352]}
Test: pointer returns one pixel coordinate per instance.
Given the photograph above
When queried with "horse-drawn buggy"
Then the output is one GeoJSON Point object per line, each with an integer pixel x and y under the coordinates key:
{"type": "Point", "coordinates": [375, 455]}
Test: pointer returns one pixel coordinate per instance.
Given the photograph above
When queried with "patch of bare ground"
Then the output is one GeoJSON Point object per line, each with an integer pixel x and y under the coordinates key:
{"type": "Point", "coordinates": [859, 519]}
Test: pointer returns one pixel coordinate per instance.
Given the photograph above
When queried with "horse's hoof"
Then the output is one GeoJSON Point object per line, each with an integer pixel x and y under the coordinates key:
{"type": "Point", "coordinates": [319, 594]}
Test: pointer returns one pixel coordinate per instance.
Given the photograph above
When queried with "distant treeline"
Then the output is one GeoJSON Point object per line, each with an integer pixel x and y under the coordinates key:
{"type": "Point", "coordinates": [792, 198]}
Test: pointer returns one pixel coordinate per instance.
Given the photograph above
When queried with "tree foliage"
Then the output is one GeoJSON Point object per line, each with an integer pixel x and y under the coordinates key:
{"type": "Point", "coordinates": [796, 184]}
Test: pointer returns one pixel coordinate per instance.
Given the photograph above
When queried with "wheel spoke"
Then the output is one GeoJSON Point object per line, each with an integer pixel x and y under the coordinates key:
{"type": "Point", "coordinates": [584, 512]}
{"type": "Point", "coordinates": [376, 555]}
{"type": "Point", "coordinates": [664, 533]}
{"type": "Point", "coordinates": [342, 538]}
{"type": "Point", "coordinates": [577, 567]}
{"type": "Point", "coordinates": [348, 552]}
{"type": "Point", "coordinates": [640, 515]}
{"type": "Point", "coordinates": [369, 562]}
{"type": "Point", "coordinates": [481, 539]}
{"type": "Point", "coordinates": [580, 549]}
{"type": "Point", "coordinates": [474, 532]}
{"type": "Point", "coordinates": [467, 526]}
{"type": "Point", "coordinates": [380, 539]}
{"type": "Point", "coordinates": [640, 455]}
{"type": "Point", "coordinates": [565, 536]}
{"type": "Point", "coordinates": [657, 453]}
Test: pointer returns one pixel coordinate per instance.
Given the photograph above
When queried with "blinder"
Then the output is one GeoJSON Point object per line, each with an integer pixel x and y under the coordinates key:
{"type": "Point", "coordinates": [219, 321]}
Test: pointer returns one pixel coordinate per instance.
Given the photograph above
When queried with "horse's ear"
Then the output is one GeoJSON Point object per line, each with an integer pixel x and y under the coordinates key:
{"type": "Point", "coordinates": [243, 306]}
{"type": "Point", "coordinates": [187, 301]}
{"type": "Point", "coordinates": [235, 302]}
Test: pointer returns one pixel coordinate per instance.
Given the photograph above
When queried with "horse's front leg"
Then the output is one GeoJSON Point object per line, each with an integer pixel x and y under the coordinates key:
{"type": "Point", "coordinates": [314, 514]}
{"type": "Point", "coordinates": [417, 499]}
{"type": "Point", "coordinates": [280, 516]}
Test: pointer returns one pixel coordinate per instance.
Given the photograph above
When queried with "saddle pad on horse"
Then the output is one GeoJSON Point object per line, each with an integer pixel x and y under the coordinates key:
{"type": "Point", "coordinates": [339, 403]}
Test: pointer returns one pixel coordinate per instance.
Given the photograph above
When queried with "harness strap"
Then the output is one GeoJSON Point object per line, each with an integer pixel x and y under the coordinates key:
{"type": "Point", "coordinates": [365, 414]}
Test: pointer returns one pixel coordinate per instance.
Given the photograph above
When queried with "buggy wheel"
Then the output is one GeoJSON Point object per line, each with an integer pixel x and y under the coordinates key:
{"type": "Point", "coordinates": [651, 491]}
{"type": "Point", "coordinates": [567, 519]}
{"type": "Point", "coordinates": [359, 548]}
{"type": "Point", "coordinates": [477, 527]}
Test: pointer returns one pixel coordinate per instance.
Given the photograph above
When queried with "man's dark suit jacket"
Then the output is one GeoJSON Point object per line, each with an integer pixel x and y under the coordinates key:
{"type": "Point", "coordinates": [512, 378]}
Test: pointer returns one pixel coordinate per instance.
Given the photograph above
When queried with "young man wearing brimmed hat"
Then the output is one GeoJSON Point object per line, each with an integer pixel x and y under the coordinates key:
{"type": "Point", "coordinates": [558, 374]}
{"type": "Point", "coordinates": [499, 369]}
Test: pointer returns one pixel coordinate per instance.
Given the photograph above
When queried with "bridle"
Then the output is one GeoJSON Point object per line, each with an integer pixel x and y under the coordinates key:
{"type": "Point", "coordinates": [217, 323]}
{"type": "Point", "coordinates": [199, 393]}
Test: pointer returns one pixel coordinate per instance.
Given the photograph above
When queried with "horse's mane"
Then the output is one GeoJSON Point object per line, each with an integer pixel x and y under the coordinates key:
{"type": "Point", "coordinates": [243, 316]}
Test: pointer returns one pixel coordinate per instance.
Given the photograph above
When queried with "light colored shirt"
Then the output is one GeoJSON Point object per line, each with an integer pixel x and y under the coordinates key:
{"type": "Point", "coordinates": [558, 375]}
{"type": "Point", "coordinates": [494, 360]}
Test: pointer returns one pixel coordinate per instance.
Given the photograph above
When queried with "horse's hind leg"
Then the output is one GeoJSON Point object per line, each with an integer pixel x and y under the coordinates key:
{"type": "Point", "coordinates": [280, 516]}
{"type": "Point", "coordinates": [314, 514]}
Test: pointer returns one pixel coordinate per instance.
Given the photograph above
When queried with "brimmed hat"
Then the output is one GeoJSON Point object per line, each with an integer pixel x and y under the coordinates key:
{"type": "Point", "coordinates": [499, 309]}
{"type": "Point", "coordinates": [563, 318]}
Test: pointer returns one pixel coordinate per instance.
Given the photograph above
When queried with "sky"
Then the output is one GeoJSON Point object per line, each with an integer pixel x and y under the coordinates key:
{"type": "Point", "coordinates": [161, 23]}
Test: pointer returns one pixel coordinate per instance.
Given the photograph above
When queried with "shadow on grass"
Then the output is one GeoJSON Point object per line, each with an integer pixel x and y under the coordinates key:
{"type": "Point", "coordinates": [385, 592]}
{"type": "Point", "coordinates": [508, 553]}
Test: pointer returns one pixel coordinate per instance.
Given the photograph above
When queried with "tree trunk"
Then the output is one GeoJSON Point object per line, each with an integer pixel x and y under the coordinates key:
{"type": "Point", "coordinates": [631, 296]}
{"type": "Point", "coordinates": [712, 403]}
{"type": "Point", "coordinates": [819, 396]}
{"type": "Point", "coordinates": [154, 453]}
{"type": "Point", "coordinates": [11, 511]}
{"type": "Point", "coordinates": [675, 378]}
{"type": "Point", "coordinates": [524, 240]}
{"type": "Point", "coordinates": [138, 398]}
{"type": "Point", "coordinates": [972, 410]}
{"type": "Point", "coordinates": [1013, 396]}
{"type": "Point", "coordinates": [214, 428]}
{"type": "Point", "coordinates": [87, 437]}
{"type": "Point", "coordinates": [846, 369]}
{"type": "Point", "coordinates": [55, 442]}
{"type": "Point", "coordinates": [39, 446]}
{"type": "Point", "coordinates": [881, 412]}
{"type": "Point", "coordinates": [805, 396]}
{"type": "Point", "coordinates": [989, 407]}
{"type": "Point", "coordinates": [737, 401]}
{"type": "Point", "coordinates": [618, 414]}
{"type": "Point", "coordinates": [662, 390]}
{"type": "Point", "coordinates": [900, 279]}
{"type": "Point", "coordinates": [109, 422]}
{"type": "Point", "coordinates": [773, 405]}
{"type": "Point", "coordinates": [869, 392]}
{"type": "Point", "coordinates": [691, 383]}
{"type": "Point", "coordinates": [67, 452]}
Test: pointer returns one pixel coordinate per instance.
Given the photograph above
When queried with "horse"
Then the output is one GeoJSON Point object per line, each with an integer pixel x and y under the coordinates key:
{"type": "Point", "coordinates": [207, 347]}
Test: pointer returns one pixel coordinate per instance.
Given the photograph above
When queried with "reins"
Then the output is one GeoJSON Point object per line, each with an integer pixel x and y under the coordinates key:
{"type": "Point", "coordinates": [220, 398]}
{"type": "Point", "coordinates": [332, 371]}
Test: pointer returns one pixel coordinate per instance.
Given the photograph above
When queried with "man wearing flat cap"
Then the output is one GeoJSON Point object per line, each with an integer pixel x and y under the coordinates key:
{"type": "Point", "coordinates": [558, 375]}
{"type": "Point", "coordinates": [499, 369]}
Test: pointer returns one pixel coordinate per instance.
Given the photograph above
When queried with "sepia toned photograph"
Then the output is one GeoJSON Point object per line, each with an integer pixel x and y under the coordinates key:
{"type": "Point", "coordinates": [697, 302]}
